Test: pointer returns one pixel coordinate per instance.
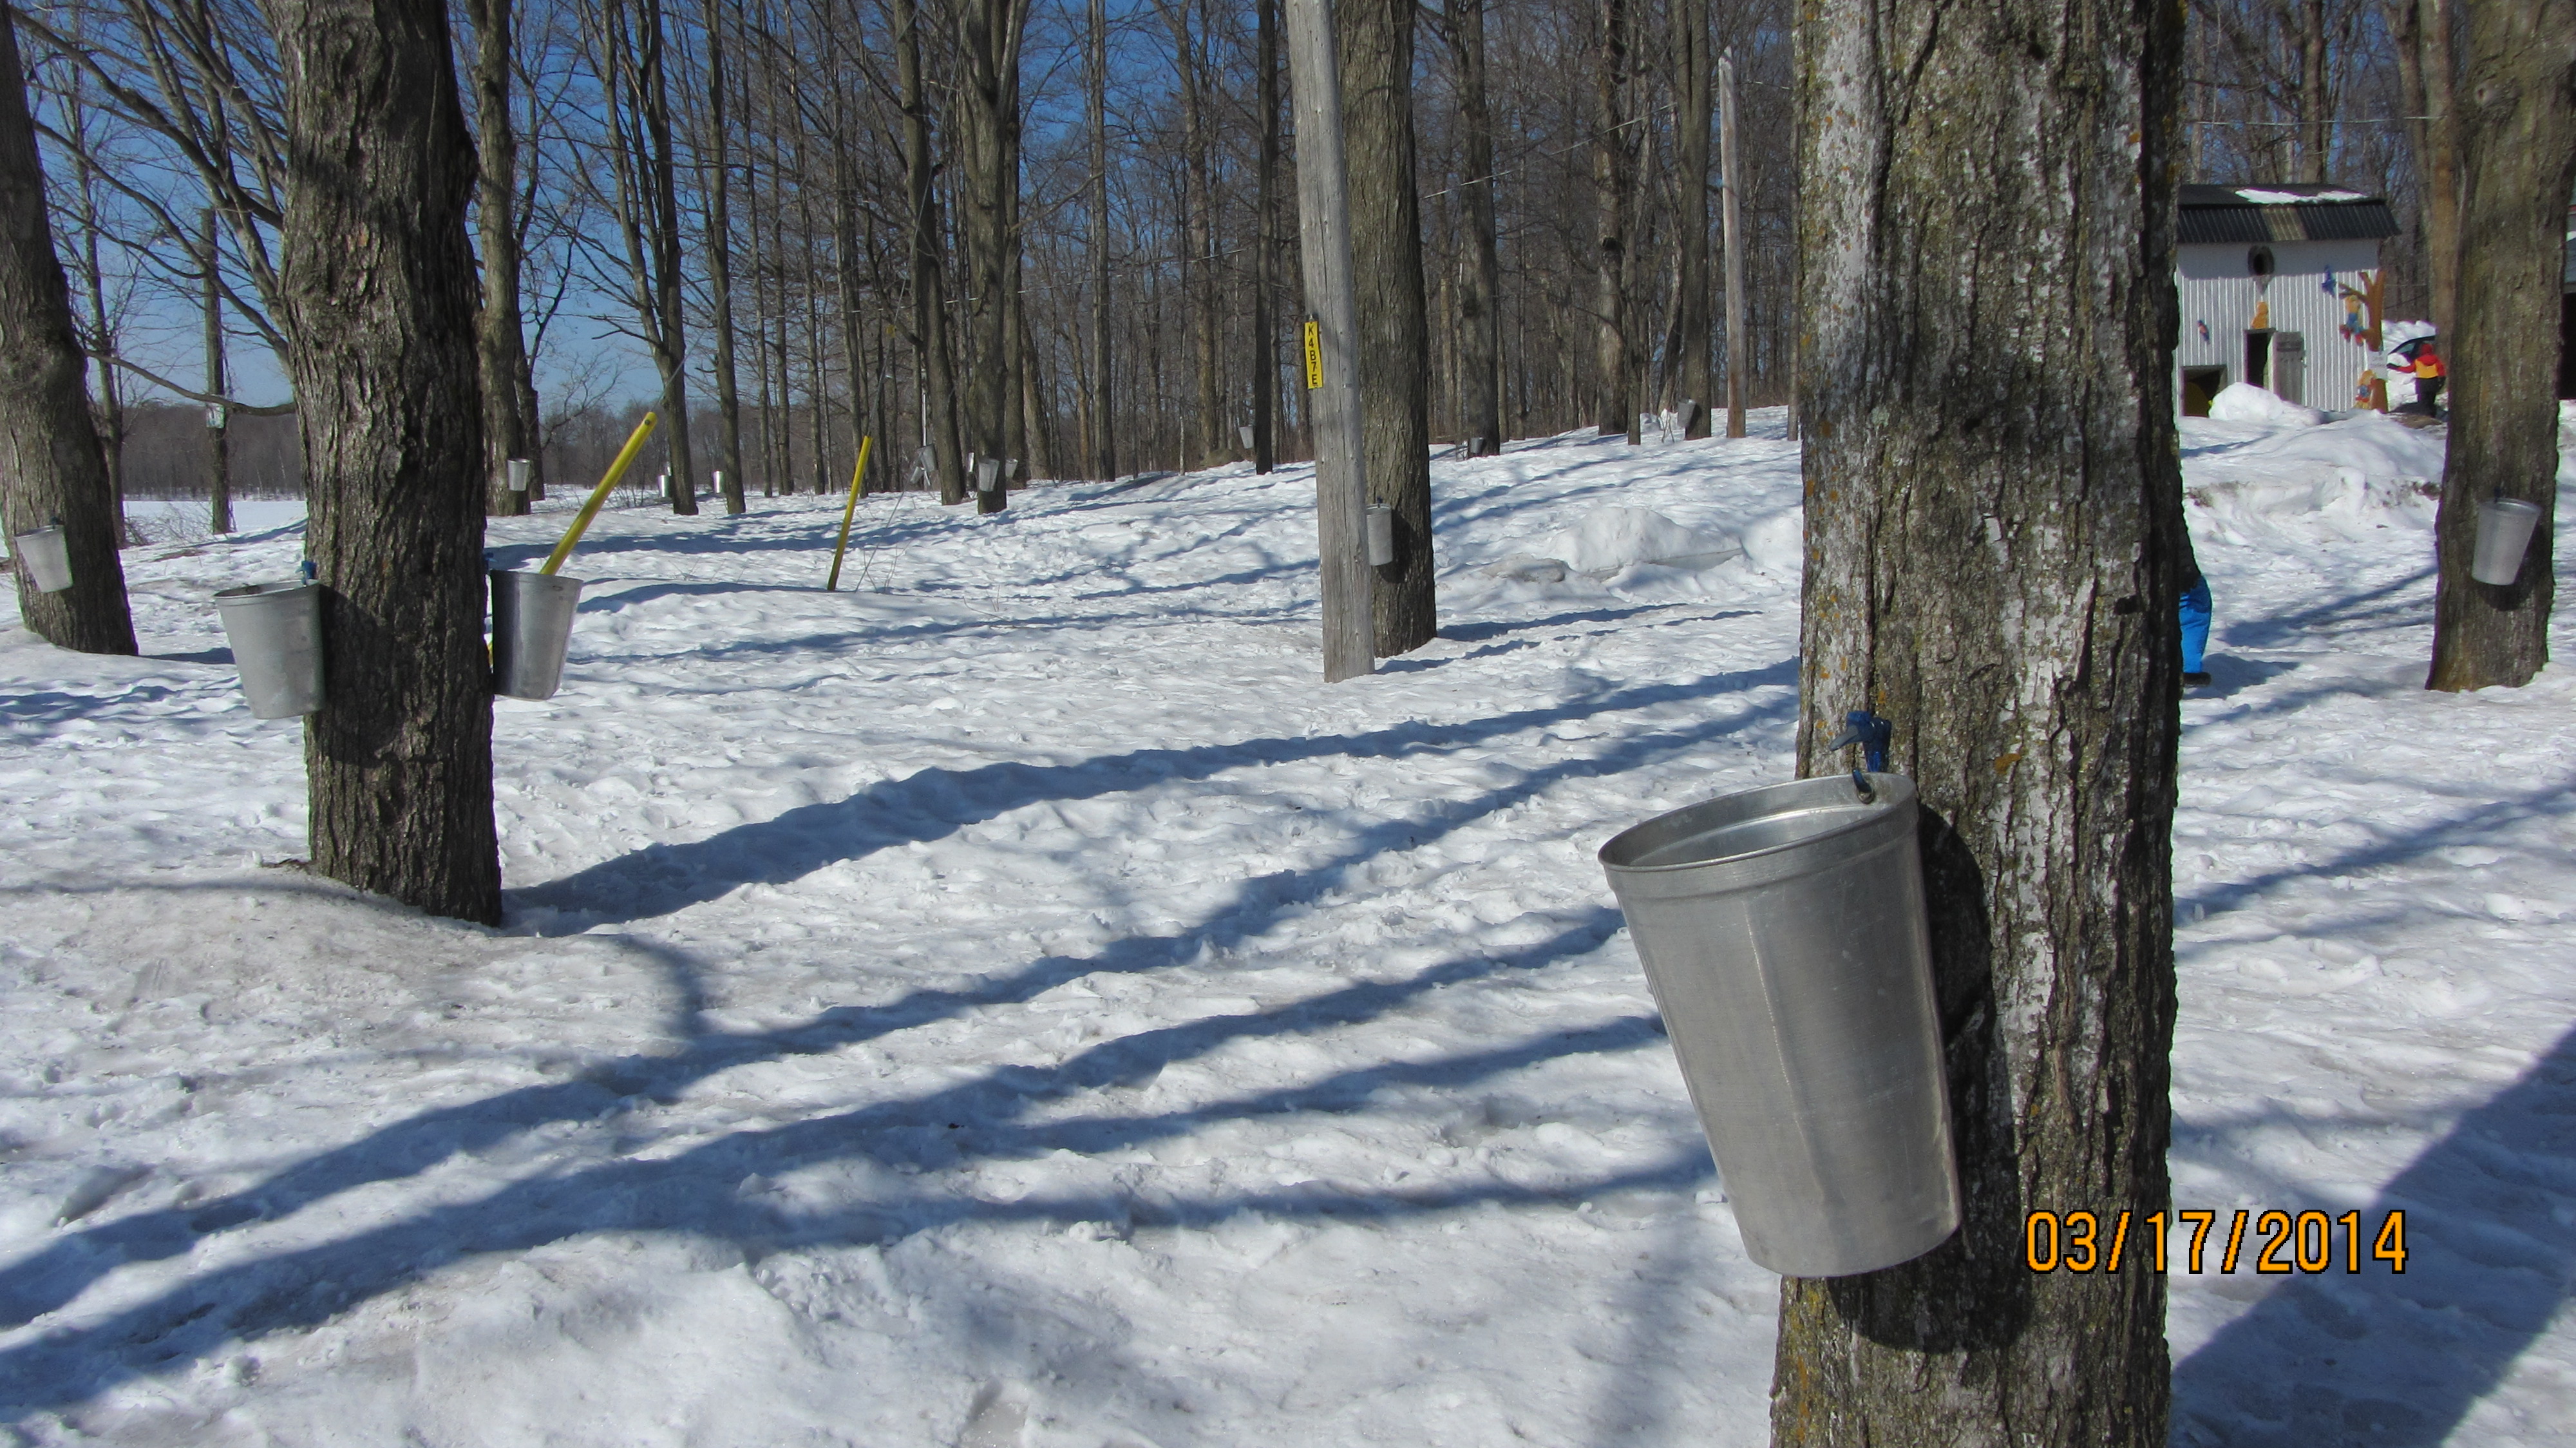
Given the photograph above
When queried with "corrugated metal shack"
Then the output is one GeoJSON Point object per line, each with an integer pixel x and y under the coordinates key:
{"type": "Point", "coordinates": [2278, 286]}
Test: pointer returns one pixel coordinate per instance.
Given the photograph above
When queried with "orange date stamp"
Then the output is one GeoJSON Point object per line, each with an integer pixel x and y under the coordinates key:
{"type": "Point", "coordinates": [2280, 1243]}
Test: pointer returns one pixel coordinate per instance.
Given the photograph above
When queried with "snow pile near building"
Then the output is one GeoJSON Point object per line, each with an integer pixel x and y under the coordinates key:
{"type": "Point", "coordinates": [2244, 402]}
{"type": "Point", "coordinates": [2364, 472]}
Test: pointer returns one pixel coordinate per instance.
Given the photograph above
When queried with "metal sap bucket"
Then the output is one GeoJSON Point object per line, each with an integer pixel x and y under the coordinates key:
{"type": "Point", "coordinates": [1783, 932]}
{"type": "Point", "coordinates": [531, 628]}
{"type": "Point", "coordinates": [48, 556]}
{"type": "Point", "coordinates": [276, 634]}
{"type": "Point", "coordinates": [2504, 535]}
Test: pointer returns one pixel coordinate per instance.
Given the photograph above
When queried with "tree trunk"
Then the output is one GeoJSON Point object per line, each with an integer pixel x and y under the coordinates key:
{"type": "Point", "coordinates": [1103, 394]}
{"type": "Point", "coordinates": [1993, 527]}
{"type": "Point", "coordinates": [1613, 165]}
{"type": "Point", "coordinates": [848, 282]}
{"type": "Point", "coordinates": [1265, 243]}
{"type": "Point", "coordinates": [378, 284]}
{"type": "Point", "coordinates": [2421, 33]}
{"type": "Point", "coordinates": [1693, 319]}
{"type": "Point", "coordinates": [929, 283]}
{"type": "Point", "coordinates": [985, 94]}
{"type": "Point", "coordinates": [719, 251]}
{"type": "Point", "coordinates": [500, 342]}
{"type": "Point", "coordinates": [102, 341]}
{"type": "Point", "coordinates": [2316, 107]}
{"type": "Point", "coordinates": [219, 452]}
{"type": "Point", "coordinates": [1480, 322]}
{"type": "Point", "coordinates": [1739, 344]}
{"type": "Point", "coordinates": [2520, 154]}
{"type": "Point", "coordinates": [1375, 42]}
{"type": "Point", "coordinates": [670, 349]}
{"type": "Point", "coordinates": [51, 469]}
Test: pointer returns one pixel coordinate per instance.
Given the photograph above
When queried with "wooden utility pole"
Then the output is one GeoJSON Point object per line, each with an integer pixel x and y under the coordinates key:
{"type": "Point", "coordinates": [2519, 163]}
{"type": "Point", "coordinates": [219, 452]}
{"type": "Point", "coordinates": [2006, 595]}
{"type": "Point", "coordinates": [1730, 217]}
{"type": "Point", "coordinates": [1333, 364]}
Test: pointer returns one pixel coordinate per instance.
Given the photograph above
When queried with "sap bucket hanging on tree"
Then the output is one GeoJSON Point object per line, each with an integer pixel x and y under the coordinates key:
{"type": "Point", "coordinates": [48, 556]}
{"type": "Point", "coordinates": [2504, 535]}
{"type": "Point", "coordinates": [531, 629]}
{"type": "Point", "coordinates": [276, 633]}
{"type": "Point", "coordinates": [1783, 932]}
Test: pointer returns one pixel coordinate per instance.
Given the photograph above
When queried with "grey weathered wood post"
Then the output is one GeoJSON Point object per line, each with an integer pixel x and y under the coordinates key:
{"type": "Point", "coordinates": [1324, 229]}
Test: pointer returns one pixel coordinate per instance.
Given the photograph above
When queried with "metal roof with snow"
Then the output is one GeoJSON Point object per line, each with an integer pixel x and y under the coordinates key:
{"type": "Point", "coordinates": [2284, 212]}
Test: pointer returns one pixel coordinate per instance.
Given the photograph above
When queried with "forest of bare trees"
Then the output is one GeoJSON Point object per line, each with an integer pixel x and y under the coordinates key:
{"type": "Point", "coordinates": [1061, 233]}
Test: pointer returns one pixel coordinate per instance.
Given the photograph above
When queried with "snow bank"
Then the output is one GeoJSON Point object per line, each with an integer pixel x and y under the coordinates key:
{"type": "Point", "coordinates": [2244, 402]}
{"type": "Point", "coordinates": [1010, 1001]}
{"type": "Point", "coordinates": [1606, 540]}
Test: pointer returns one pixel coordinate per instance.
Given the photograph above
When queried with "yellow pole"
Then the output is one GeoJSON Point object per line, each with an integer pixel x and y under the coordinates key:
{"type": "Point", "coordinates": [833, 583]}
{"type": "Point", "coordinates": [599, 495]}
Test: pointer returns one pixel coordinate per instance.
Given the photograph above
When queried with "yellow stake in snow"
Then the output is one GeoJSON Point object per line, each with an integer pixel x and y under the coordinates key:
{"type": "Point", "coordinates": [599, 495]}
{"type": "Point", "coordinates": [833, 583]}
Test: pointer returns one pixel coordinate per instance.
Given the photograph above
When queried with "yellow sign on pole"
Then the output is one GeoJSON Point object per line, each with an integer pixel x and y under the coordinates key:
{"type": "Point", "coordinates": [1314, 357]}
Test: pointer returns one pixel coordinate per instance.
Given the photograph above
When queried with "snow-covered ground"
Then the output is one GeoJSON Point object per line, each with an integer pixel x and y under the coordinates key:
{"type": "Point", "coordinates": [1011, 1001]}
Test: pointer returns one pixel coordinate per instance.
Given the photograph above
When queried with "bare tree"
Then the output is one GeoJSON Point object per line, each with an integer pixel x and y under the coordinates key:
{"type": "Point", "coordinates": [1614, 165]}
{"type": "Point", "coordinates": [219, 470]}
{"type": "Point", "coordinates": [378, 291]}
{"type": "Point", "coordinates": [2520, 154]}
{"type": "Point", "coordinates": [1993, 531]}
{"type": "Point", "coordinates": [51, 469]}
{"type": "Point", "coordinates": [929, 283]}
{"type": "Point", "coordinates": [1374, 39]}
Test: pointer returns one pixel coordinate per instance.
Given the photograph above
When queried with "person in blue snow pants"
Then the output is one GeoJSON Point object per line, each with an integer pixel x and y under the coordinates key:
{"type": "Point", "coordinates": [2195, 630]}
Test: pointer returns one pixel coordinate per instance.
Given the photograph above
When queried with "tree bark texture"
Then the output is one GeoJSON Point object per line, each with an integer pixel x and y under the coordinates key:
{"type": "Point", "coordinates": [1104, 396]}
{"type": "Point", "coordinates": [930, 337]}
{"type": "Point", "coordinates": [988, 183]}
{"type": "Point", "coordinates": [1693, 318]}
{"type": "Point", "coordinates": [670, 345]}
{"type": "Point", "coordinates": [2520, 162]}
{"type": "Point", "coordinates": [718, 191]}
{"type": "Point", "coordinates": [501, 349]}
{"type": "Point", "coordinates": [51, 467]}
{"type": "Point", "coordinates": [1614, 165]}
{"type": "Point", "coordinates": [219, 450]}
{"type": "Point", "coordinates": [1993, 522]}
{"type": "Point", "coordinates": [1265, 242]}
{"type": "Point", "coordinates": [102, 341]}
{"type": "Point", "coordinates": [1374, 39]}
{"type": "Point", "coordinates": [1480, 298]}
{"type": "Point", "coordinates": [378, 284]}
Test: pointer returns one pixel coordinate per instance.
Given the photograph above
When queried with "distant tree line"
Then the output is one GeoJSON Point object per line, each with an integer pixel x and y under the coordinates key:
{"type": "Point", "coordinates": [1065, 233]}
